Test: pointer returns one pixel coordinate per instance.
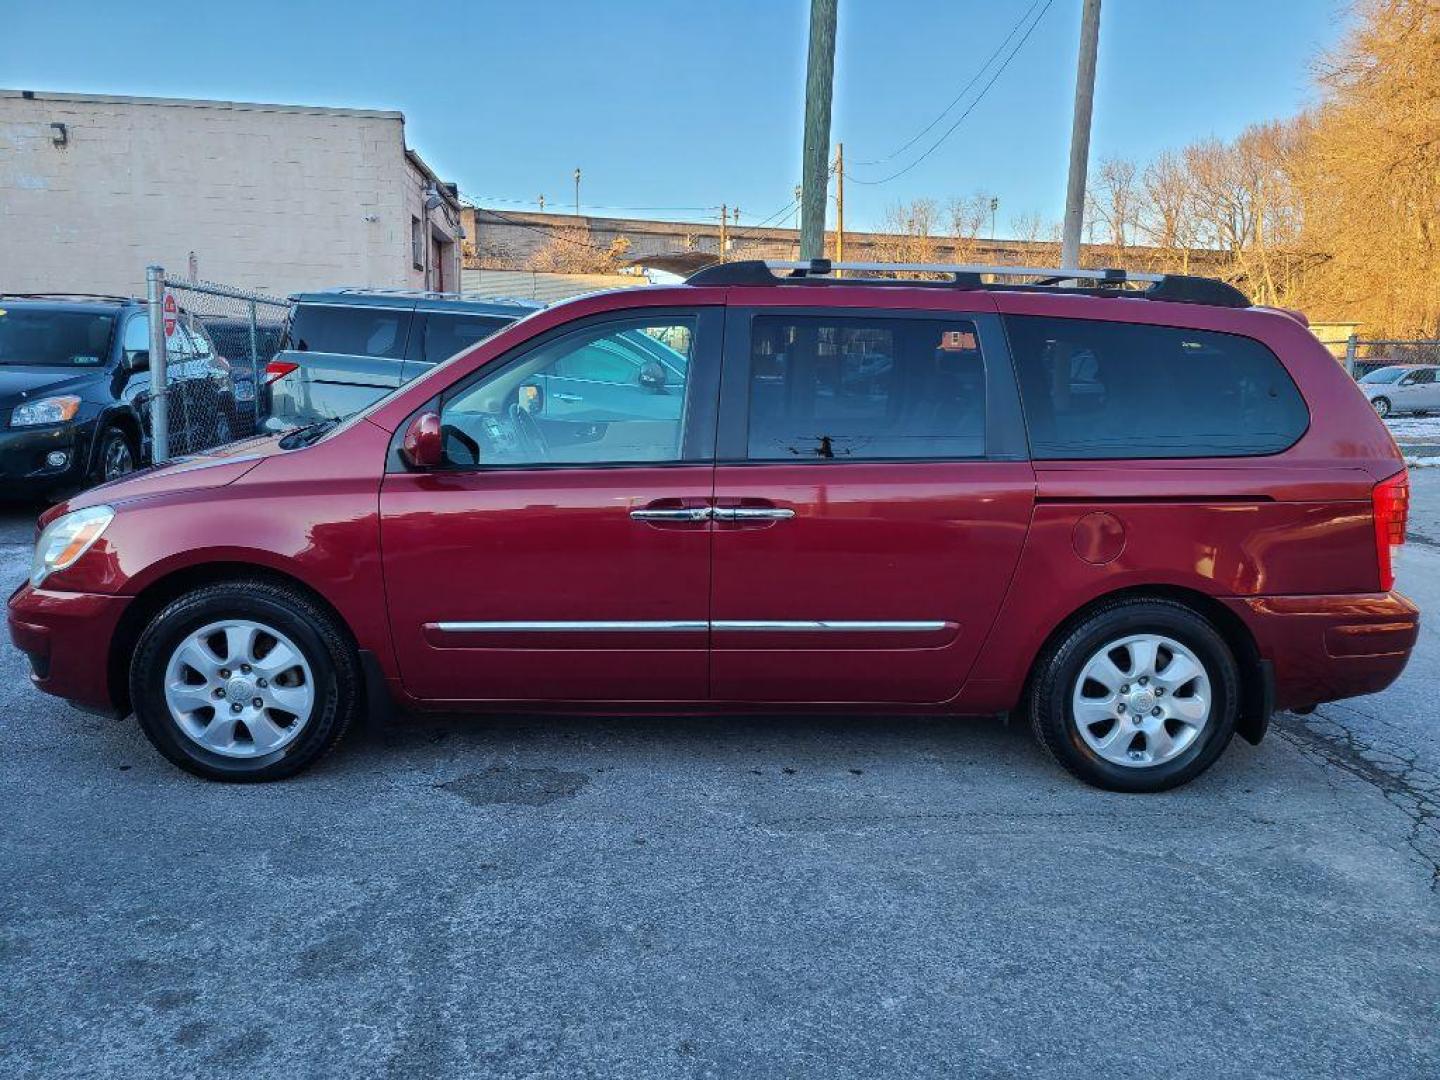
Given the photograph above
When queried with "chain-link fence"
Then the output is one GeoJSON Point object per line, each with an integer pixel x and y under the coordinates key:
{"type": "Point", "coordinates": [1364, 355]}
{"type": "Point", "coordinates": [217, 341]}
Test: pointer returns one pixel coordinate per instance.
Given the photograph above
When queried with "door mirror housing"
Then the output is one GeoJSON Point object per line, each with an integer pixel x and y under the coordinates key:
{"type": "Point", "coordinates": [652, 375]}
{"type": "Point", "coordinates": [421, 446]}
{"type": "Point", "coordinates": [139, 360]}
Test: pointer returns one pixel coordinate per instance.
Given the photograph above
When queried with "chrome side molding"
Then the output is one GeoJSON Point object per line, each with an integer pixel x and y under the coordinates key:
{"type": "Point", "coordinates": [692, 625]}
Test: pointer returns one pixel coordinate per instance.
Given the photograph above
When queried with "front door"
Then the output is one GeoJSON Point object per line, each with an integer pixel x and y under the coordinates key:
{"type": "Point", "coordinates": [871, 501]}
{"type": "Point", "coordinates": [561, 556]}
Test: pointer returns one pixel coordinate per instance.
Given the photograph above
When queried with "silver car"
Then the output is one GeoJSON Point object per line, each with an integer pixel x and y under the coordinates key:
{"type": "Point", "coordinates": [1410, 388]}
{"type": "Point", "coordinates": [346, 348]}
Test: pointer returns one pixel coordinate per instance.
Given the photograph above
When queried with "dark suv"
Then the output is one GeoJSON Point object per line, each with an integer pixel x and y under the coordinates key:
{"type": "Point", "coordinates": [345, 348]}
{"type": "Point", "coordinates": [1143, 519]}
{"type": "Point", "coordinates": [75, 390]}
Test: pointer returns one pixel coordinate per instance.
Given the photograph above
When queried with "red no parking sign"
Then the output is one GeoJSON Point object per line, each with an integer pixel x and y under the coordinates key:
{"type": "Point", "coordinates": [169, 311]}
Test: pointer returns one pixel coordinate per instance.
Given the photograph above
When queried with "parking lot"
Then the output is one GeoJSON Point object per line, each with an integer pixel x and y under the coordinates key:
{"type": "Point", "coordinates": [757, 897]}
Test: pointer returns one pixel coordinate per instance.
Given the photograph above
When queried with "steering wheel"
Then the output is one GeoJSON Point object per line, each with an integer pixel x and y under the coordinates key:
{"type": "Point", "coordinates": [528, 433]}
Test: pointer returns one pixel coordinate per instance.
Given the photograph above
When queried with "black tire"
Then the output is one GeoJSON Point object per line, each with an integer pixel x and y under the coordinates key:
{"type": "Point", "coordinates": [115, 455]}
{"type": "Point", "coordinates": [1060, 665]}
{"type": "Point", "coordinates": [1382, 407]}
{"type": "Point", "coordinates": [332, 660]}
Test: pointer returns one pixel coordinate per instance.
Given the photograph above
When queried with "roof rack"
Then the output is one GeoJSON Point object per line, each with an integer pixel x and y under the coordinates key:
{"type": "Point", "coordinates": [1109, 281]}
{"type": "Point", "coordinates": [427, 294]}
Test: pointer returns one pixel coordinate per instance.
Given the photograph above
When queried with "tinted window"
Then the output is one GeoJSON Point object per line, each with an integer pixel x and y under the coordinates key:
{"type": "Point", "coordinates": [1423, 377]}
{"type": "Point", "coordinates": [1120, 390]}
{"type": "Point", "coordinates": [353, 331]}
{"type": "Point", "coordinates": [446, 335]}
{"type": "Point", "coordinates": [43, 338]}
{"type": "Point", "coordinates": [865, 389]}
{"type": "Point", "coordinates": [528, 413]}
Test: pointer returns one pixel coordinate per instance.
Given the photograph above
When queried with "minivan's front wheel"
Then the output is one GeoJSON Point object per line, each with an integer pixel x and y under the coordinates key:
{"type": "Point", "coordinates": [244, 681]}
{"type": "Point", "coordinates": [1141, 696]}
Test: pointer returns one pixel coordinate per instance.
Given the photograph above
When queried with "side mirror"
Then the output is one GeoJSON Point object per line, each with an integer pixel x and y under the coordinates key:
{"type": "Point", "coordinates": [138, 360]}
{"type": "Point", "coordinates": [652, 375]}
{"type": "Point", "coordinates": [421, 447]}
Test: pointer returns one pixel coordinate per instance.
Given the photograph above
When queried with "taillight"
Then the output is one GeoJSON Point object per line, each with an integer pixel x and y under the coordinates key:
{"type": "Point", "coordinates": [1391, 501]}
{"type": "Point", "coordinates": [278, 369]}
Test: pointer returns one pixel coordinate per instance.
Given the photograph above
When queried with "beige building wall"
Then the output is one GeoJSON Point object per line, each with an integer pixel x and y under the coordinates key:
{"type": "Point", "coordinates": [274, 198]}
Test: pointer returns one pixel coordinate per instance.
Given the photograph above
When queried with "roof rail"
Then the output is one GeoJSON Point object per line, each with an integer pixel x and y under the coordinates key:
{"type": "Point", "coordinates": [424, 294]}
{"type": "Point", "coordinates": [67, 296]}
{"type": "Point", "coordinates": [1108, 281]}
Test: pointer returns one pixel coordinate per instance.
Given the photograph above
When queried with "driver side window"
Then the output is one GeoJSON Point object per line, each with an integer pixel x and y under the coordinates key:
{"type": "Point", "coordinates": [614, 393]}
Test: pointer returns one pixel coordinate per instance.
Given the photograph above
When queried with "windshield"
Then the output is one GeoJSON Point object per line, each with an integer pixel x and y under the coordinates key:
{"type": "Point", "coordinates": [1384, 375]}
{"type": "Point", "coordinates": [36, 337]}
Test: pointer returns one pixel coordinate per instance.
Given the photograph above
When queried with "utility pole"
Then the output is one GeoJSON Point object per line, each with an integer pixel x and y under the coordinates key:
{"type": "Point", "coordinates": [577, 191]}
{"type": "Point", "coordinates": [994, 205]}
{"type": "Point", "coordinates": [815, 168]}
{"type": "Point", "coordinates": [839, 202]}
{"type": "Point", "coordinates": [724, 221]}
{"type": "Point", "coordinates": [1080, 135]}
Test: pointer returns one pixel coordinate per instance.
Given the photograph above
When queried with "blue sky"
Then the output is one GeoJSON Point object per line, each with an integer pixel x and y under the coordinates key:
{"type": "Point", "coordinates": [680, 106]}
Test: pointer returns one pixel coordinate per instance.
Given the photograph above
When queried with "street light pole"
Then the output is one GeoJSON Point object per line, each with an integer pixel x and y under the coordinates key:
{"type": "Point", "coordinates": [577, 192]}
{"type": "Point", "coordinates": [819, 86]}
{"type": "Point", "coordinates": [1080, 135]}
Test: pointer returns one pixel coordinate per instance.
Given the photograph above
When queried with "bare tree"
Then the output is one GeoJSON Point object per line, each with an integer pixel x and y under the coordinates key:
{"type": "Point", "coordinates": [572, 250]}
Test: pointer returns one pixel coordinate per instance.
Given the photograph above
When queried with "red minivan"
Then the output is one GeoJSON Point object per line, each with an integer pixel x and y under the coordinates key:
{"type": "Point", "coordinates": [1144, 517]}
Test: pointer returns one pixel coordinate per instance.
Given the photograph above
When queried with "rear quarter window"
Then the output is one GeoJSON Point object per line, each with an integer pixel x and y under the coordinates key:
{"type": "Point", "coordinates": [1105, 390]}
{"type": "Point", "coordinates": [350, 331]}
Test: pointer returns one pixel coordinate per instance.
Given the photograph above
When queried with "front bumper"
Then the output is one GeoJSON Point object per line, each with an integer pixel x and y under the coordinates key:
{"type": "Point", "coordinates": [67, 638]}
{"type": "Point", "coordinates": [23, 452]}
{"type": "Point", "coordinates": [1324, 648]}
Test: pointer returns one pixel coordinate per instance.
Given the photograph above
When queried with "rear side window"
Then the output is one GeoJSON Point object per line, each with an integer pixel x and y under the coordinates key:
{"type": "Point", "coordinates": [352, 331]}
{"type": "Point", "coordinates": [446, 335]}
{"type": "Point", "coordinates": [1123, 390]}
{"type": "Point", "coordinates": [862, 389]}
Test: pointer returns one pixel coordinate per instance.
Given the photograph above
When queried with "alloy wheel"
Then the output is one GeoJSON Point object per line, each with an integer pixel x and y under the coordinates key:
{"type": "Point", "coordinates": [1141, 700]}
{"type": "Point", "coordinates": [118, 459]}
{"type": "Point", "coordinates": [239, 688]}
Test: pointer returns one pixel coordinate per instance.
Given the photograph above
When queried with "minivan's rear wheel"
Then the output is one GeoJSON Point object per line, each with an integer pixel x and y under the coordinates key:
{"type": "Point", "coordinates": [1382, 406]}
{"type": "Point", "coordinates": [244, 681]}
{"type": "Point", "coordinates": [1141, 696]}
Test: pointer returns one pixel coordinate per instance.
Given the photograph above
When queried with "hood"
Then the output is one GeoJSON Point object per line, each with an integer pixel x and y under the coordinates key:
{"type": "Point", "coordinates": [193, 472]}
{"type": "Point", "coordinates": [18, 383]}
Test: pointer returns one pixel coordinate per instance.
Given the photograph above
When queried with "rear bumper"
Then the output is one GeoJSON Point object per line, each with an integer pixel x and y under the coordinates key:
{"type": "Point", "coordinates": [67, 637]}
{"type": "Point", "coordinates": [1323, 648]}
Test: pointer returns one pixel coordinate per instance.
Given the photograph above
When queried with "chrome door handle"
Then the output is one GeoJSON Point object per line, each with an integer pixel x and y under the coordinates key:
{"type": "Point", "coordinates": [567, 397]}
{"type": "Point", "coordinates": [684, 513]}
{"type": "Point", "coordinates": [753, 513]}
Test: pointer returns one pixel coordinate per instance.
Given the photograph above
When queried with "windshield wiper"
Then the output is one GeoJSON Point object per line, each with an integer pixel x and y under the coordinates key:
{"type": "Point", "coordinates": [304, 436]}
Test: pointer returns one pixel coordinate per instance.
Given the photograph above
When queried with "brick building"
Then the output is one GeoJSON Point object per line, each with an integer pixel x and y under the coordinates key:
{"type": "Point", "coordinates": [276, 198]}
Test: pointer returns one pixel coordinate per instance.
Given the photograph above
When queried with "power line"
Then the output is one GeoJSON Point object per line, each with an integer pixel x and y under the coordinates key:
{"type": "Point", "coordinates": [548, 232]}
{"type": "Point", "coordinates": [963, 91]}
{"type": "Point", "coordinates": [479, 203]}
{"type": "Point", "coordinates": [968, 109]}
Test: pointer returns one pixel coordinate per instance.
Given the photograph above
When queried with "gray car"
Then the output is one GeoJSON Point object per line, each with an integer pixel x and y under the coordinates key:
{"type": "Point", "coordinates": [345, 348]}
{"type": "Point", "coordinates": [1409, 388]}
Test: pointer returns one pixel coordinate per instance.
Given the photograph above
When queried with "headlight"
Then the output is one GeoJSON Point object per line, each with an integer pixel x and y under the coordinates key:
{"type": "Point", "coordinates": [67, 538]}
{"type": "Point", "coordinates": [50, 410]}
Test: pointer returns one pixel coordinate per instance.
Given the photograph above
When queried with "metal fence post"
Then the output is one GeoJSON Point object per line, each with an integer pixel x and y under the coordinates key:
{"type": "Point", "coordinates": [1351, 347]}
{"type": "Point", "coordinates": [159, 413]}
{"type": "Point", "coordinates": [254, 364]}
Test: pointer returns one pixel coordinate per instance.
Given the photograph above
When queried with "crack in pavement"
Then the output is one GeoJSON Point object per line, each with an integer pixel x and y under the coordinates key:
{"type": "Point", "coordinates": [1396, 771]}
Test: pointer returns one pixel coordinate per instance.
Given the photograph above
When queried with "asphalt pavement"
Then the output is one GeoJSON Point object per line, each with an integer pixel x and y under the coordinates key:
{"type": "Point", "coordinates": [759, 897]}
